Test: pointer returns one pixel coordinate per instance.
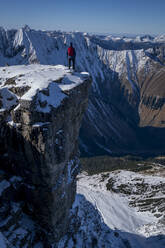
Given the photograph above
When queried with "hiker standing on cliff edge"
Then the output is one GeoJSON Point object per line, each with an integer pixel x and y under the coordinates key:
{"type": "Point", "coordinates": [71, 54]}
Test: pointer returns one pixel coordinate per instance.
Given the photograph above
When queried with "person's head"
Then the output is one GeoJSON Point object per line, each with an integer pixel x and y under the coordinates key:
{"type": "Point", "coordinates": [71, 44]}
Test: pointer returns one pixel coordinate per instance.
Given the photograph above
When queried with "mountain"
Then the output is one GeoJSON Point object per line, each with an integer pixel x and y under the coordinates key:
{"type": "Point", "coordinates": [120, 202]}
{"type": "Point", "coordinates": [126, 106]}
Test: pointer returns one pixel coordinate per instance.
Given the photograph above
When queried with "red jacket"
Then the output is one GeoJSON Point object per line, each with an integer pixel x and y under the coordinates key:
{"type": "Point", "coordinates": [71, 52]}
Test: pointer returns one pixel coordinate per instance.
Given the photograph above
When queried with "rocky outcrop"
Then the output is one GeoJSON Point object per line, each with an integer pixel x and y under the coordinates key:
{"type": "Point", "coordinates": [125, 112]}
{"type": "Point", "coordinates": [39, 140]}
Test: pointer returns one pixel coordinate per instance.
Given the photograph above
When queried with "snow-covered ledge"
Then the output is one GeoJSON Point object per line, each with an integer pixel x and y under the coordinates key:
{"type": "Point", "coordinates": [28, 81]}
{"type": "Point", "coordinates": [41, 108]}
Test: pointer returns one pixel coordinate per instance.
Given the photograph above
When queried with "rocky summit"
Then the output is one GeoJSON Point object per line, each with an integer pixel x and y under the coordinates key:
{"type": "Point", "coordinates": [41, 109]}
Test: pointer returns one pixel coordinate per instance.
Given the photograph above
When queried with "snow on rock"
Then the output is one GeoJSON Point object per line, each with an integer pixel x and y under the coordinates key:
{"type": "Point", "coordinates": [32, 79]}
{"type": "Point", "coordinates": [8, 99]}
{"type": "Point", "coordinates": [115, 210]}
{"type": "Point", "coordinates": [139, 229]}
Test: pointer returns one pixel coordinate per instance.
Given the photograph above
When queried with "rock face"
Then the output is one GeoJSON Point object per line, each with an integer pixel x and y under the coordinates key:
{"type": "Point", "coordinates": [40, 124]}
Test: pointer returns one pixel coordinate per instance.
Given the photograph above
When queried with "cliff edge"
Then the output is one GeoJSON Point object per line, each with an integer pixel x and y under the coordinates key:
{"type": "Point", "coordinates": [41, 109]}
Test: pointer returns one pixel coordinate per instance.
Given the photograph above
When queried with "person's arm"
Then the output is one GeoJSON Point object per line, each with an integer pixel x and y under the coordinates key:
{"type": "Point", "coordinates": [74, 52]}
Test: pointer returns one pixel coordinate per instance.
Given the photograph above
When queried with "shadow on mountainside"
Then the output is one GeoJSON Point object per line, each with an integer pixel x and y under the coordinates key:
{"type": "Point", "coordinates": [92, 231]}
{"type": "Point", "coordinates": [111, 125]}
{"type": "Point", "coordinates": [22, 166]}
{"type": "Point", "coordinates": [152, 141]}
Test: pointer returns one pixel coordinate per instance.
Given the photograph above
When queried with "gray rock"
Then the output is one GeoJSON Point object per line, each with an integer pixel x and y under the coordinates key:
{"type": "Point", "coordinates": [45, 155]}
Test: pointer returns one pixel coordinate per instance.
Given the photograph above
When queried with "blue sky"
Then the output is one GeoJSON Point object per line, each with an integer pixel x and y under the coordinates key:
{"type": "Point", "coordinates": [102, 16]}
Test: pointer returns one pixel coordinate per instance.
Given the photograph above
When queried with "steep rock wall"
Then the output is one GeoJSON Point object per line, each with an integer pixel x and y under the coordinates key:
{"type": "Point", "coordinates": [39, 139]}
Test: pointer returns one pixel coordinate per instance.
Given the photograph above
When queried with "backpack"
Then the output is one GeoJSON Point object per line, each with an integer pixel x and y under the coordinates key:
{"type": "Point", "coordinates": [71, 51]}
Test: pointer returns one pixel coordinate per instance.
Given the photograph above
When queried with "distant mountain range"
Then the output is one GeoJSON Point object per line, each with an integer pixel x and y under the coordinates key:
{"type": "Point", "coordinates": [126, 111]}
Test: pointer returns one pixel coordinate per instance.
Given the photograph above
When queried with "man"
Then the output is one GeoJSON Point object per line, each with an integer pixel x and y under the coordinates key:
{"type": "Point", "coordinates": [71, 53]}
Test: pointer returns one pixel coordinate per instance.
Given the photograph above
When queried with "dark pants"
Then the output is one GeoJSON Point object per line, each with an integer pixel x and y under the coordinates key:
{"type": "Point", "coordinates": [71, 59]}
